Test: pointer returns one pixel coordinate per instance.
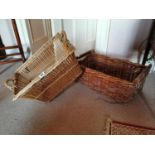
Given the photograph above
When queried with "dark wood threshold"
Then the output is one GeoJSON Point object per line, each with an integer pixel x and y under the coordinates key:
{"type": "Point", "coordinates": [10, 61]}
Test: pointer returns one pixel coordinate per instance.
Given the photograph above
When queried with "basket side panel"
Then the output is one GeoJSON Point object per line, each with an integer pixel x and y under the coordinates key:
{"type": "Point", "coordinates": [52, 76]}
{"type": "Point", "coordinates": [35, 65]}
{"type": "Point", "coordinates": [115, 89]}
{"type": "Point", "coordinates": [58, 86]}
{"type": "Point", "coordinates": [114, 67]}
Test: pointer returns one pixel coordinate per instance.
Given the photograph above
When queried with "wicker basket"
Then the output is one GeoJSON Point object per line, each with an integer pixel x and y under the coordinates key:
{"type": "Point", "coordinates": [46, 73]}
{"type": "Point", "coordinates": [118, 80]}
{"type": "Point", "coordinates": [120, 128]}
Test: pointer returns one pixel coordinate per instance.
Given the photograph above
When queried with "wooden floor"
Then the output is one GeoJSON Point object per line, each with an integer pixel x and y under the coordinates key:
{"type": "Point", "coordinates": [78, 110]}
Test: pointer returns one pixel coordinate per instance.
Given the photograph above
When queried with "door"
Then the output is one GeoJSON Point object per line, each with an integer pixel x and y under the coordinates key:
{"type": "Point", "coordinates": [84, 34]}
{"type": "Point", "coordinates": [39, 31]}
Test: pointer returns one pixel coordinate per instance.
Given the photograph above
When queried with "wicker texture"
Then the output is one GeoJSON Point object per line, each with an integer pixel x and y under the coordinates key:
{"type": "Point", "coordinates": [46, 73]}
{"type": "Point", "coordinates": [118, 80]}
{"type": "Point", "coordinates": [119, 128]}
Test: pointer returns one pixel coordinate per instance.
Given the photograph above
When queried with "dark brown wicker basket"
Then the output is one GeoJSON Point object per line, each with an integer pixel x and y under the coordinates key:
{"type": "Point", "coordinates": [118, 80]}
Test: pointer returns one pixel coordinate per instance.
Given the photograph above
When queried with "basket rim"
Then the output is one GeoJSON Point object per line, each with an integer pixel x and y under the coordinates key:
{"type": "Point", "coordinates": [100, 74]}
{"type": "Point", "coordinates": [116, 59]}
{"type": "Point", "coordinates": [50, 42]}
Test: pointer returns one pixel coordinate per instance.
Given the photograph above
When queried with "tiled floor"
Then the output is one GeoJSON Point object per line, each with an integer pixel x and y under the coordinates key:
{"type": "Point", "coordinates": [78, 110]}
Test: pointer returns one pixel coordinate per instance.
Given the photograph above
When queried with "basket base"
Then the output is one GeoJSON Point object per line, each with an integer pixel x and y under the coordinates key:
{"type": "Point", "coordinates": [109, 99]}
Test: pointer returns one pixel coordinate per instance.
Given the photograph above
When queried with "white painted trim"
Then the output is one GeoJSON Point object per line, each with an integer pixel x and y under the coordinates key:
{"type": "Point", "coordinates": [57, 25]}
{"type": "Point", "coordinates": [21, 25]}
{"type": "Point", "coordinates": [108, 34]}
{"type": "Point", "coordinates": [102, 36]}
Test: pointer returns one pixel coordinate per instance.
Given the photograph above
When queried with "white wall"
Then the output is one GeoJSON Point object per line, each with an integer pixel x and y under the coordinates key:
{"type": "Point", "coordinates": [102, 36]}
{"type": "Point", "coordinates": [116, 38]}
{"type": "Point", "coordinates": [6, 33]}
{"type": "Point", "coordinates": [125, 36]}
{"type": "Point", "coordinates": [21, 25]}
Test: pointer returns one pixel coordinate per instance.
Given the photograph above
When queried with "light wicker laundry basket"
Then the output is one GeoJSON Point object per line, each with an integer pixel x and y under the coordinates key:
{"type": "Point", "coordinates": [46, 73]}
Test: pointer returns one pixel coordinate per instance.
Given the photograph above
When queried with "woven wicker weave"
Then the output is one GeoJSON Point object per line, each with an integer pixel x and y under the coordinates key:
{"type": "Point", "coordinates": [119, 128]}
{"type": "Point", "coordinates": [46, 73]}
{"type": "Point", "coordinates": [118, 80]}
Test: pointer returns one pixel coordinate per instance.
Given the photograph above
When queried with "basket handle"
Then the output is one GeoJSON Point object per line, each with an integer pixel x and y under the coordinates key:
{"type": "Point", "coordinates": [142, 76]}
{"type": "Point", "coordinates": [85, 55]}
{"type": "Point", "coordinates": [10, 84]}
{"type": "Point", "coordinates": [64, 36]}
